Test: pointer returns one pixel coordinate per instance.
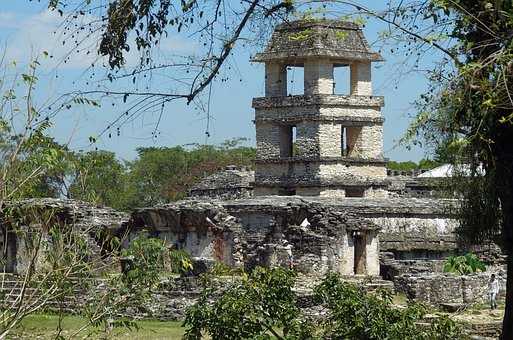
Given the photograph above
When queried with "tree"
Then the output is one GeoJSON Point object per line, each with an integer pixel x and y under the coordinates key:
{"type": "Point", "coordinates": [98, 177]}
{"type": "Point", "coordinates": [57, 254]}
{"type": "Point", "coordinates": [183, 168]}
{"type": "Point", "coordinates": [261, 305]}
{"type": "Point", "coordinates": [469, 111]}
{"type": "Point", "coordinates": [29, 159]}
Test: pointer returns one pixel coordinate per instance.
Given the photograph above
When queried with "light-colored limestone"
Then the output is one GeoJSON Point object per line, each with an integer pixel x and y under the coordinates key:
{"type": "Point", "coordinates": [318, 76]}
{"type": "Point", "coordinates": [361, 84]}
{"type": "Point", "coordinates": [275, 80]}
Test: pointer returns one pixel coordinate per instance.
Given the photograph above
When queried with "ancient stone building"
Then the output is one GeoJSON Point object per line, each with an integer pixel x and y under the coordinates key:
{"type": "Point", "coordinates": [319, 143]}
{"type": "Point", "coordinates": [230, 183]}
{"type": "Point", "coordinates": [319, 199]}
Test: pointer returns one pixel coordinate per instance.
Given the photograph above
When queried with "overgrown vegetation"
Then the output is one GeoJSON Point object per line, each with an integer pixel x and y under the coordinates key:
{"type": "Point", "coordinates": [264, 305]}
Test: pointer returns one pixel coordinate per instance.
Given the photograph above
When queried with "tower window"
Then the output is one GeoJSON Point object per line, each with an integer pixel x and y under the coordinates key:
{"type": "Point", "coordinates": [343, 142]}
{"type": "Point", "coordinates": [341, 79]}
{"type": "Point", "coordinates": [295, 80]}
{"type": "Point", "coordinates": [348, 139]}
{"type": "Point", "coordinates": [288, 147]}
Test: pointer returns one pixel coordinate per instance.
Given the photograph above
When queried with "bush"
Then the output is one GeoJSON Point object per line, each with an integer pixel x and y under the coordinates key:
{"type": "Point", "coordinates": [180, 261]}
{"type": "Point", "coordinates": [145, 260]}
{"type": "Point", "coordinates": [465, 264]}
{"type": "Point", "coordinates": [264, 306]}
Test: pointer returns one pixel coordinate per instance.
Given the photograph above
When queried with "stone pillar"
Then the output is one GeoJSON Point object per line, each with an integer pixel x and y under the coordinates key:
{"type": "Point", "coordinates": [361, 84]}
{"type": "Point", "coordinates": [369, 142]}
{"type": "Point", "coordinates": [347, 263]}
{"type": "Point", "coordinates": [372, 252]}
{"type": "Point", "coordinates": [268, 140]}
{"type": "Point", "coordinates": [330, 140]}
{"type": "Point", "coordinates": [307, 139]}
{"type": "Point", "coordinates": [275, 80]}
{"type": "Point", "coordinates": [318, 77]}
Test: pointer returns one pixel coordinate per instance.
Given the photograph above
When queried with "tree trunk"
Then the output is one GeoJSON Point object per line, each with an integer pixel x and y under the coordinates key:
{"type": "Point", "coordinates": [505, 189]}
{"type": "Point", "coordinates": [507, 322]}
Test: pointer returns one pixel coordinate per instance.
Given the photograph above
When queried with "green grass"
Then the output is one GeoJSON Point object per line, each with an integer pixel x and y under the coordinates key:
{"type": "Point", "coordinates": [42, 326]}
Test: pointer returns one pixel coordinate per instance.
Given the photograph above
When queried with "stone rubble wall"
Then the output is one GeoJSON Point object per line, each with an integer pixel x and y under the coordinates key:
{"type": "Point", "coordinates": [440, 288]}
{"type": "Point", "coordinates": [94, 222]}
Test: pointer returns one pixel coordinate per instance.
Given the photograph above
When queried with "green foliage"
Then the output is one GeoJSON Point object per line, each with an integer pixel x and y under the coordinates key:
{"type": "Point", "coordinates": [465, 264]}
{"type": "Point", "coordinates": [256, 308]}
{"type": "Point", "coordinates": [402, 166]}
{"type": "Point", "coordinates": [424, 163]}
{"type": "Point", "coordinates": [465, 115]}
{"type": "Point", "coordinates": [221, 269]}
{"type": "Point", "coordinates": [265, 302]}
{"type": "Point", "coordinates": [183, 168]}
{"type": "Point", "coordinates": [180, 261]}
{"type": "Point", "coordinates": [146, 261]}
{"type": "Point", "coordinates": [100, 178]}
{"type": "Point", "coordinates": [355, 314]}
{"type": "Point", "coordinates": [301, 35]}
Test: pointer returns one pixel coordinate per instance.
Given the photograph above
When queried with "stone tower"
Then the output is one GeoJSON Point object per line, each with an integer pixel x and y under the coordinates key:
{"type": "Point", "coordinates": [319, 143]}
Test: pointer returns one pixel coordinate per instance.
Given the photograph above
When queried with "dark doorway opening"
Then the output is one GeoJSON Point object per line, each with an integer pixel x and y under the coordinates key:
{"type": "Point", "coordinates": [287, 192]}
{"type": "Point", "coordinates": [355, 192]}
{"type": "Point", "coordinates": [359, 254]}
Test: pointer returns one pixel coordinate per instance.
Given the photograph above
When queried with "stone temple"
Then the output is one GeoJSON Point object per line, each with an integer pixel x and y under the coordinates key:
{"type": "Point", "coordinates": [319, 143]}
{"type": "Point", "coordinates": [320, 189]}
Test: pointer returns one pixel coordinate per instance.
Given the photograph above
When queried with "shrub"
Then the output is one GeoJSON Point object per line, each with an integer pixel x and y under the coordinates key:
{"type": "Point", "coordinates": [180, 261]}
{"type": "Point", "coordinates": [465, 264]}
{"type": "Point", "coordinates": [264, 306]}
{"type": "Point", "coordinates": [146, 260]}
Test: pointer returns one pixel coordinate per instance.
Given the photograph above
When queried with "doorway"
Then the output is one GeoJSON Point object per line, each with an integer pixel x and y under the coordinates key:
{"type": "Point", "coordinates": [359, 254]}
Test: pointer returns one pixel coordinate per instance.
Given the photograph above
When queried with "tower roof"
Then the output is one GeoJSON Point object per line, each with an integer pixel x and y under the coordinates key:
{"type": "Point", "coordinates": [302, 39]}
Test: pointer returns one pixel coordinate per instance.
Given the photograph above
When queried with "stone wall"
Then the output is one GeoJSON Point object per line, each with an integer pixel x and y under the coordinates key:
{"type": "Point", "coordinates": [231, 183]}
{"type": "Point", "coordinates": [204, 230]}
{"type": "Point", "coordinates": [441, 288]}
{"type": "Point", "coordinates": [255, 232]}
{"type": "Point", "coordinates": [23, 226]}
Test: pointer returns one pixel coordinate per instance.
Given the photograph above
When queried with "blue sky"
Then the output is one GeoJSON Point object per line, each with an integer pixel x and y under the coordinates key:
{"type": "Point", "coordinates": [26, 28]}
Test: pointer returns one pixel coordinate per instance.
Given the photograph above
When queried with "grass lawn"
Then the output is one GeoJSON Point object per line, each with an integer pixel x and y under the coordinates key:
{"type": "Point", "coordinates": [42, 326]}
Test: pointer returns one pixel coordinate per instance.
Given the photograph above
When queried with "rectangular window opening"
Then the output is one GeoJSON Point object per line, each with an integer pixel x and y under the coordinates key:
{"type": "Point", "coordinates": [286, 192]}
{"type": "Point", "coordinates": [343, 142]}
{"type": "Point", "coordinates": [288, 141]}
{"type": "Point", "coordinates": [341, 79]}
{"type": "Point", "coordinates": [295, 80]}
{"type": "Point", "coordinates": [348, 139]}
{"type": "Point", "coordinates": [293, 151]}
{"type": "Point", "coordinates": [355, 192]}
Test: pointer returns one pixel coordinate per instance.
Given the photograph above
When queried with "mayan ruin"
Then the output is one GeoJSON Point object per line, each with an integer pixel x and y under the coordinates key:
{"type": "Point", "coordinates": [333, 219]}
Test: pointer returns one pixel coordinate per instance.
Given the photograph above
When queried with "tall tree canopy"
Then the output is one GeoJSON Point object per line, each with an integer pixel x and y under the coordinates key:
{"type": "Point", "coordinates": [467, 115]}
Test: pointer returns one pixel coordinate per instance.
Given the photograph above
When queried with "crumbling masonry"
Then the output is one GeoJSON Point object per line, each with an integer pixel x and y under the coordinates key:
{"type": "Point", "coordinates": [319, 199]}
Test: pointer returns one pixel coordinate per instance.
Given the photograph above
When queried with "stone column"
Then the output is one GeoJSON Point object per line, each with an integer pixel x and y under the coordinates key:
{"type": "Point", "coordinates": [268, 138]}
{"type": "Point", "coordinates": [369, 142]}
{"type": "Point", "coordinates": [275, 80]}
{"type": "Point", "coordinates": [347, 263]}
{"type": "Point", "coordinates": [318, 77]}
{"type": "Point", "coordinates": [372, 252]}
{"type": "Point", "coordinates": [361, 84]}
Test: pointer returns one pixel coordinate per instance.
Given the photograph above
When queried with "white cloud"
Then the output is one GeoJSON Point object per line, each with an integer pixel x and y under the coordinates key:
{"type": "Point", "coordinates": [30, 36]}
